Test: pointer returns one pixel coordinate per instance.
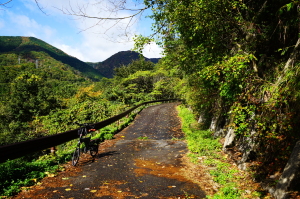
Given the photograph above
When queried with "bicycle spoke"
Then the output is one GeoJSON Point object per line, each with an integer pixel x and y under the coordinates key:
{"type": "Point", "coordinates": [86, 142]}
{"type": "Point", "coordinates": [94, 150]}
{"type": "Point", "coordinates": [75, 157]}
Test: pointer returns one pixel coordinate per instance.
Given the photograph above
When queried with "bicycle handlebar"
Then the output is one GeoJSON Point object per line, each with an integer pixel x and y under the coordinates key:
{"type": "Point", "coordinates": [83, 124]}
{"type": "Point", "coordinates": [85, 128]}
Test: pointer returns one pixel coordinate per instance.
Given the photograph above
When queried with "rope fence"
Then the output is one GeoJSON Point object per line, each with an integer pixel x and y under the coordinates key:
{"type": "Point", "coordinates": [20, 149]}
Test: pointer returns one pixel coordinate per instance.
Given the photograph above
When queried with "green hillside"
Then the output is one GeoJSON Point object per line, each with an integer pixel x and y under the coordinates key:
{"type": "Point", "coordinates": [41, 94]}
{"type": "Point", "coordinates": [27, 47]}
{"type": "Point", "coordinates": [122, 58]}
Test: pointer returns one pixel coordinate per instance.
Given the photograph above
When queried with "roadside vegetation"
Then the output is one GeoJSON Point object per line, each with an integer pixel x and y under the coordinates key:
{"type": "Point", "coordinates": [236, 65]}
{"type": "Point", "coordinates": [22, 173]}
{"type": "Point", "coordinates": [206, 150]}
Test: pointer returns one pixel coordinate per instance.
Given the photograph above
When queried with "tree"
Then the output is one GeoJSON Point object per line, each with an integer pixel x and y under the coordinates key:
{"type": "Point", "coordinates": [29, 97]}
{"type": "Point", "coordinates": [134, 66]}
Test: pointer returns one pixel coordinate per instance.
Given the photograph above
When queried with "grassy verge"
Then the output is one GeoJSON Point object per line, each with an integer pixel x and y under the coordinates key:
{"type": "Point", "coordinates": [21, 173]}
{"type": "Point", "coordinates": [206, 150]}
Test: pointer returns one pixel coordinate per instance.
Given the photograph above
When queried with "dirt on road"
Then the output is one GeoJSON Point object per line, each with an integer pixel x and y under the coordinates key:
{"type": "Point", "coordinates": [145, 160]}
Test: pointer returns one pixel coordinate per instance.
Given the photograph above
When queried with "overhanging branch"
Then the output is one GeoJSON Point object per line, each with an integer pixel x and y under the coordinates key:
{"type": "Point", "coordinates": [5, 3]}
{"type": "Point", "coordinates": [84, 15]}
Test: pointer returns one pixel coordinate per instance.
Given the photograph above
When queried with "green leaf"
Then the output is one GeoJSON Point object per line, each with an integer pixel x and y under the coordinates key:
{"type": "Point", "coordinates": [289, 6]}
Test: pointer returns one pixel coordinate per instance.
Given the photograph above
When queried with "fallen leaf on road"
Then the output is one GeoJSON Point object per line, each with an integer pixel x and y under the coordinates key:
{"type": "Point", "coordinates": [68, 189]}
{"type": "Point", "coordinates": [93, 191]}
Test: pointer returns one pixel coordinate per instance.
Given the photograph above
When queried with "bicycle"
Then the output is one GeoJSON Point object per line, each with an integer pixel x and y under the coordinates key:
{"type": "Point", "coordinates": [85, 144]}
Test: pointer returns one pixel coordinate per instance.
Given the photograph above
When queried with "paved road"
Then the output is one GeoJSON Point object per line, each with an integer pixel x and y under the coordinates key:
{"type": "Point", "coordinates": [144, 161]}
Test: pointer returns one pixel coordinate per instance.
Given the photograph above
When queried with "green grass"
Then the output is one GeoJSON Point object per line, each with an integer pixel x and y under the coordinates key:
{"type": "Point", "coordinates": [143, 138]}
{"type": "Point", "coordinates": [199, 141]}
{"type": "Point", "coordinates": [202, 143]}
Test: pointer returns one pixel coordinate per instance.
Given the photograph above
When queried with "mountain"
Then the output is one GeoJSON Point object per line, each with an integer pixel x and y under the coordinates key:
{"type": "Point", "coordinates": [25, 47]}
{"type": "Point", "coordinates": [106, 68]}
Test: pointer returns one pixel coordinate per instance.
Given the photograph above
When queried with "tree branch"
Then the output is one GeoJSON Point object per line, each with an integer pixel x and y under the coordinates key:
{"type": "Point", "coordinates": [40, 8]}
{"type": "Point", "coordinates": [84, 15]}
{"type": "Point", "coordinates": [5, 3]}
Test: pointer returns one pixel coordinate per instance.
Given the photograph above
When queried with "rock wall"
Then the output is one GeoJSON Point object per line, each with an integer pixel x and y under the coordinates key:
{"type": "Point", "coordinates": [290, 178]}
{"type": "Point", "coordinates": [289, 181]}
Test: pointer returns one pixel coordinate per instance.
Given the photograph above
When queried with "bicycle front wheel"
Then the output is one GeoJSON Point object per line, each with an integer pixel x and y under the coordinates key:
{"type": "Point", "coordinates": [94, 150]}
{"type": "Point", "coordinates": [75, 157]}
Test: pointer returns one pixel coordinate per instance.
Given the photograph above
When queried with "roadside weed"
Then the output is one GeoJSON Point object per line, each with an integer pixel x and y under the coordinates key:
{"type": "Point", "coordinates": [201, 143]}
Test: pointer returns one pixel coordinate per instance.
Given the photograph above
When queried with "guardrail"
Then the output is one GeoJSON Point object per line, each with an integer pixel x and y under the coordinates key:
{"type": "Point", "coordinates": [20, 149]}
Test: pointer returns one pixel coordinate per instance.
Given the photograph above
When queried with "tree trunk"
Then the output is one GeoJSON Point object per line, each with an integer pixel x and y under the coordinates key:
{"type": "Point", "coordinates": [290, 62]}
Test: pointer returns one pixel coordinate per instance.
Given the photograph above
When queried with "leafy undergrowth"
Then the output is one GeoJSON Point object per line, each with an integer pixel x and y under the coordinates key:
{"type": "Point", "coordinates": [231, 182]}
{"type": "Point", "coordinates": [22, 173]}
{"type": "Point", "coordinates": [19, 174]}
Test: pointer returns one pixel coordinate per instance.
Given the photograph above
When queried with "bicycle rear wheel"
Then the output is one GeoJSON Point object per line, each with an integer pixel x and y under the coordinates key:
{"type": "Point", "coordinates": [94, 150]}
{"type": "Point", "coordinates": [75, 157]}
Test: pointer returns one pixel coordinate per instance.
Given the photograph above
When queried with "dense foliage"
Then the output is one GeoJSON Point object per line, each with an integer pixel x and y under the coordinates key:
{"type": "Point", "coordinates": [237, 64]}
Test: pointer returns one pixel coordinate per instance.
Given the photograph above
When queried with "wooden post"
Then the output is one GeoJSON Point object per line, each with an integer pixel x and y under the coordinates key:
{"type": "Point", "coordinates": [53, 149]}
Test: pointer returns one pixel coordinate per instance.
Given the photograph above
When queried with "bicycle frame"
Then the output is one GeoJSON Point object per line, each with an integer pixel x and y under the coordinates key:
{"type": "Point", "coordinates": [91, 146]}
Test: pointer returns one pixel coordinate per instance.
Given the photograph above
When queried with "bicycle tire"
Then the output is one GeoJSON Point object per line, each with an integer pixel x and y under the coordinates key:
{"type": "Point", "coordinates": [94, 150]}
{"type": "Point", "coordinates": [75, 157]}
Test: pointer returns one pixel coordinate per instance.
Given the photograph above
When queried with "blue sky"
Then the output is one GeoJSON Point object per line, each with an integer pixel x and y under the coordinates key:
{"type": "Point", "coordinates": [87, 39]}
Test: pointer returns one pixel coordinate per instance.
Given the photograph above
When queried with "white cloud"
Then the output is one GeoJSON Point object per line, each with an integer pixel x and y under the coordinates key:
{"type": "Point", "coordinates": [98, 47]}
{"type": "Point", "coordinates": [29, 4]}
{"type": "Point", "coordinates": [107, 37]}
{"type": "Point", "coordinates": [29, 27]}
{"type": "Point", "coordinates": [152, 51]}
{"type": "Point", "coordinates": [23, 21]}
{"type": "Point", "coordinates": [75, 52]}
{"type": "Point", "coordinates": [99, 39]}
